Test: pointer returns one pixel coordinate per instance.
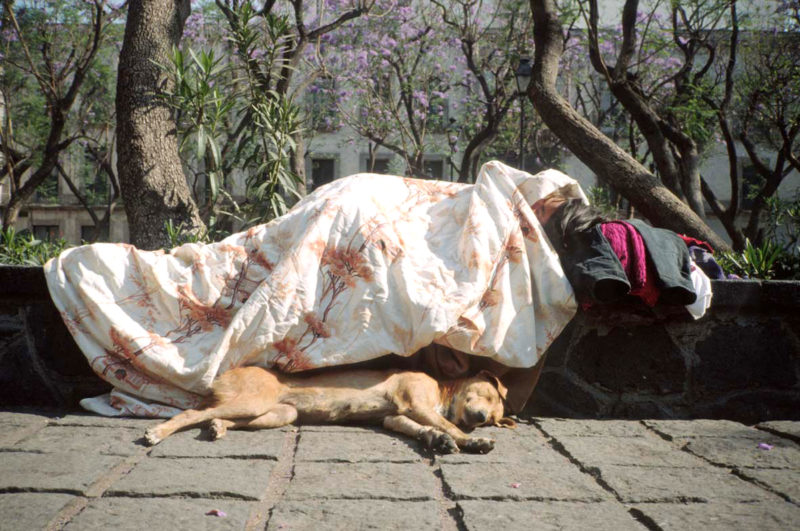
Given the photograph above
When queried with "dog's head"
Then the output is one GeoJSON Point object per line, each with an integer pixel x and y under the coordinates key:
{"type": "Point", "coordinates": [479, 402]}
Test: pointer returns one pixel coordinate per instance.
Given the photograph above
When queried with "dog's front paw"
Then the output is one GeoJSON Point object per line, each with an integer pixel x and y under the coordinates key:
{"type": "Point", "coordinates": [444, 444]}
{"type": "Point", "coordinates": [439, 442]}
{"type": "Point", "coordinates": [478, 445]}
{"type": "Point", "coordinates": [217, 429]}
{"type": "Point", "coordinates": [152, 436]}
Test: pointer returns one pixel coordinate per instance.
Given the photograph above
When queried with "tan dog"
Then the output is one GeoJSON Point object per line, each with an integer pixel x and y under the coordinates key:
{"type": "Point", "coordinates": [411, 403]}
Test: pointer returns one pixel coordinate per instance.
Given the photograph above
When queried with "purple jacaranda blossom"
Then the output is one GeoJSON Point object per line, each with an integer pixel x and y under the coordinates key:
{"type": "Point", "coordinates": [361, 59]}
{"type": "Point", "coordinates": [421, 97]}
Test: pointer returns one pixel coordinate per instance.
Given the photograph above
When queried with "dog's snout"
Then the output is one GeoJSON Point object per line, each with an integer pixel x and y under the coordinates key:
{"type": "Point", "coordinates": [479, 417]}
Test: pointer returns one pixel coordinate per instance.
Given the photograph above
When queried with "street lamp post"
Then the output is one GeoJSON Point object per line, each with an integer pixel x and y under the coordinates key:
{"type": "Point", "coordinates": [523, 77]}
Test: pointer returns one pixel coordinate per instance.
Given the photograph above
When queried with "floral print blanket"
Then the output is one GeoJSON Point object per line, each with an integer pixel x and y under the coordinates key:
{"type": "Point", "coordinates": [365, 266]}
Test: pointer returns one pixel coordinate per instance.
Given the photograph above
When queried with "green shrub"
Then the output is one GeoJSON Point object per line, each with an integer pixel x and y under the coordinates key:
{"type": "Point", "coordinates": [778, 255]}
{"type": "Point", "coordinates": [768, 261]}
{"type": "Point", "coordinates": [21, 248]}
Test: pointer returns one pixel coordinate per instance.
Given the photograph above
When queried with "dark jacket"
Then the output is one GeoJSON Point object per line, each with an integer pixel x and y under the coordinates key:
{"type": "Point", "coordinates": [596, 273]}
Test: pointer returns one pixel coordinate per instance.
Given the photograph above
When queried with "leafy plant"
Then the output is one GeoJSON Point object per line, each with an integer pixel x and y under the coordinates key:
{"type": "Point", "coordinates": [762, 261]}
{"type": "Point", "coordinates": [782, 223]}
{"type": "Point", "coordinates": [269, 118]}
{"type": "Point", "coordinates": [21, 248]}
{"type": "Point", "coordinates": [178, 235]}
{"type": "Point", "coordinates": [229, 125]}
{"type": "Point", "coordinates": [600, 198]}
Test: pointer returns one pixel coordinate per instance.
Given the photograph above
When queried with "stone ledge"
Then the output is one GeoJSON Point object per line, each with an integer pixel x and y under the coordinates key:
{"type": "Point", "coordinates": [760, 295]}
{"type": "Point", "coordinates": [25, 283]}
{"type": "Point", "coordinates": [740, 362]}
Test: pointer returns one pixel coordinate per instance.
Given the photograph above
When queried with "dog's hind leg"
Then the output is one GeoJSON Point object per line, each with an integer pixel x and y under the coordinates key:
{"type": "Point", "coordinates": [279, 415]}
{"type": "Point", "coordinates": [436, 440]}
{"type": "Point", "coordinates": [193, 417]}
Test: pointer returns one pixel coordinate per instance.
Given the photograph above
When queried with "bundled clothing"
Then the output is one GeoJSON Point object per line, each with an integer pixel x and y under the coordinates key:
{"type": "Point", "coordinates": [616, 259]}
{"type": "Point", "coordinates": [628, 245]}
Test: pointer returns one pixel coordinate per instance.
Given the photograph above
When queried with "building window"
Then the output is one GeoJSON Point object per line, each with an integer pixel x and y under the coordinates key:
{"type": "Point", "coordinates": [47, 192]}
{"type": "Point", "coordinates": [434, 168]}
{"type": "Point", "coordinates": [47, 233]}
{"type": "Point", "coordinates": [323, 171]}
{"type": "Point", "coordinates": [379, 164]}
{"type": "Point", "coordinates": [97, 189]}
{"type": "Point", "coordinates": [87, 234]}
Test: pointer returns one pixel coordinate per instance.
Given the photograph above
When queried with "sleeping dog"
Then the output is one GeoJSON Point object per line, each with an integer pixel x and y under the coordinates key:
{"type": "Point", "coordinates": [411, 403]}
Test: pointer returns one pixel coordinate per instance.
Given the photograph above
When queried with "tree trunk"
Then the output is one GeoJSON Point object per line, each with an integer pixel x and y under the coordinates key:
{"type": "Point", "coordinates": [298, 158]}
{"type": "Point", "coordinates": [598, 152]}
{"type": "Point", "coordinates": [690, 177]}
{"type": "Point", "coordinates": [473, 152]}
{"type": "Point", "coordinates": [153, 184]}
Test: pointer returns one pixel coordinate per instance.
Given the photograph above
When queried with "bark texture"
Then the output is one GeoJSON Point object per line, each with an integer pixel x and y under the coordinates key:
{"type": "Point", "coordinates": [593, 148]}
{"type": "Point", "coordinates": [154, 187]}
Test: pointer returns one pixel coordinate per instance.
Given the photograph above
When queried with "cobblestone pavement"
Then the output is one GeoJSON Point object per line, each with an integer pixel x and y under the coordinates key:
{"type": "Point", "coordinates": [86, 472]}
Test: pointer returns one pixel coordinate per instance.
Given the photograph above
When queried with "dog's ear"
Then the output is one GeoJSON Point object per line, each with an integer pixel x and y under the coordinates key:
{"type": "Point", "coordinates": [501, 389]}
{"type": "Point", "coordinates": [506, 422]}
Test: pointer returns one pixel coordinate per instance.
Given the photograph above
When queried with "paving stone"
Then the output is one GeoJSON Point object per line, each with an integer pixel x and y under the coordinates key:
{"type": "Point", "coordinates": [355, 514]}
{"type": "Point", "coordinates": [591, 428]}
{"type": "Point", "coordinates": [680, 429]}
{"type": "Point", "coordinates": [746, 452]}
{"type": "Point", "coordinates": [722, 516]}
{"type": "Point", "coordinates": [202, 478]}
{"type": "Point", "coordinates": [107, 441]}
{"type": "Point", "coordinates": [511, 481]}
{"type": "Point", "coordinates": [480, 515]}
{"type": "Point", "coordinates": [21, 418]}
{"type": "Point", "coordinates": [636, 484]}
{"type": "Point", "coordinates": [332, 428]}
{"type": "Point", "coordinates": [783, 481]}
{"type": "Point", "coordinates": [30, 510]}
{"type": "Point", "coordinates": [525, 444]}
{"type": "Point", "coordinates": [15, 427]}
{"type": "Point", "coordinates": [355, 484]}
{"type": "Point", "coordinates": [89, 419]}
{"type": "Point", "coordinates": [260, 444]}
{"type": "Point", "coordinates": [11, 434]}
{"type": "Point", "coordinates": [390, 481]}
{"type": "Point", "coordinates": [649, 451]}
{"type": "Point", "coordinates": [782, 427]}
{"type": "Point", "coordinates": [349, 446]}
{"type": "Point", "coordinates": [65, 472]}
{"type": "Point", "coordinates": [160, 513]}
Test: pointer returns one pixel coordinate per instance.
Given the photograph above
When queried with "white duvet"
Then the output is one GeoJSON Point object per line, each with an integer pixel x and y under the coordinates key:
{"type": "Point", "coordinates": [365, 266]}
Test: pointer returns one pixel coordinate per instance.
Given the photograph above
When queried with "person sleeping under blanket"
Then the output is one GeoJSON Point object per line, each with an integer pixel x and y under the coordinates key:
{"type": "Point", "coordinates": [608, 260]}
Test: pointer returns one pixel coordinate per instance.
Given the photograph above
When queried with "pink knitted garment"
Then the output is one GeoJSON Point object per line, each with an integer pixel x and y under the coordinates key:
{"type": "Point", "coordinates": [629, 247]}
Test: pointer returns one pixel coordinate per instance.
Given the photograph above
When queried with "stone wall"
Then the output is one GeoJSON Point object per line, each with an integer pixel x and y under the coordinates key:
{"type": "Point", "coordinates": [40, 364]}
{"type": "Point", "coordinates": [741, 361]}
